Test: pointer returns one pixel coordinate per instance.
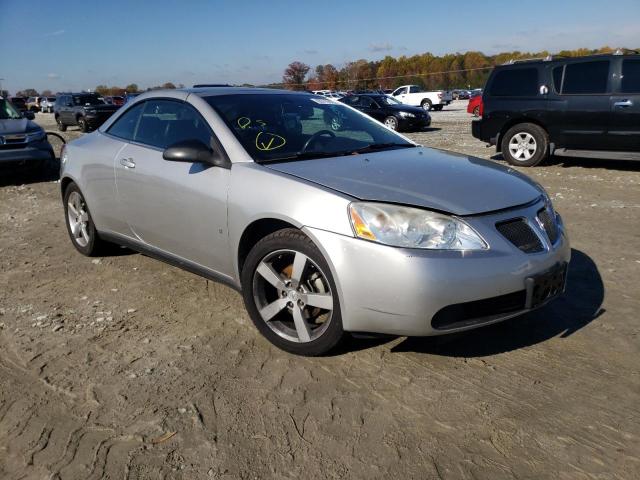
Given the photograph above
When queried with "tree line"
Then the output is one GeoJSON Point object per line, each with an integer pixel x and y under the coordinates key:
{"type": "Point", "coordinates": [455, 70]}
{"type": "Point", "coordinates": [100, 90]}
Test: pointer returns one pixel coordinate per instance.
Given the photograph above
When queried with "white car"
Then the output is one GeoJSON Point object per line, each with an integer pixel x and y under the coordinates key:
{"type": "Point", "coordinates": [46, 104]}
{"type": "Point", "coordinates": [414, 95]}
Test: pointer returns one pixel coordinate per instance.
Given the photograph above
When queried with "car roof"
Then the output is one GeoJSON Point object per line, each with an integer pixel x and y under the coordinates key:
{"type": "Point", "coordinates": [560, 58]}
{"type": "Point", "coordinates": [216, 91]}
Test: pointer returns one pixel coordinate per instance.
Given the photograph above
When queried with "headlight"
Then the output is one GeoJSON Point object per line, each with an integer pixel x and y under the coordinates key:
{"type": "Point", "coordinates": [407, 115]}
{"type": "Point", "coordinates": [36, 136]}
{"type": "Point", "coordinates": [412, 228]}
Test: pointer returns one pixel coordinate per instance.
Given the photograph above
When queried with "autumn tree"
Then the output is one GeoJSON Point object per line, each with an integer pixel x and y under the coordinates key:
{"type": "Point", "coordinates": [47, 93]}
{"type": "Point", "coordinates": [168, 85]}
{"type": "Point", "coordinates": [294, 75]}
{"type": "Point", "coordinates": [132, 88]}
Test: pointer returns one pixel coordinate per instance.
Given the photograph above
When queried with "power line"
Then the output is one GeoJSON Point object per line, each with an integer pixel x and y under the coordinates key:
{"type": "Point", "coordinates": [390, 77]}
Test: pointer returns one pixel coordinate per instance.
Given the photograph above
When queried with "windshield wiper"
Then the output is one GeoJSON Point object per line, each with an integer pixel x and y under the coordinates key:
{"type": "Point", "coordinates": [305, 156]}
{"type": "Point", "coordinates": [374, 147]}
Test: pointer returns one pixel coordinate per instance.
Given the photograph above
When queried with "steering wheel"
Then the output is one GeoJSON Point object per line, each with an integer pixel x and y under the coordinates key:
{"type": "Point", "coordinates": [315, 136]}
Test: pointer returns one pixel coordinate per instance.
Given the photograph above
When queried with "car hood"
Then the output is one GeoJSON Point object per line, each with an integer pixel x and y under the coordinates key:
{"type": "Point", "coordinates": [406, 108]}
{"type": "Point", "coordinates": [421, 177]}
{"type": "Point", "coordinates": [17, 125]}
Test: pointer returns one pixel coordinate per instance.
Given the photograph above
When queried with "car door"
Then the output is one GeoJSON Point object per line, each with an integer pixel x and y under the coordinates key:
{"type": "Point", "coordinates": [401, 93]}
{"type": "Point", "coordinates": [580, 112]}
{"type": "Point", "coordinates": [178, 208]}
{"type": "Point", "coordinates": [624, 127]}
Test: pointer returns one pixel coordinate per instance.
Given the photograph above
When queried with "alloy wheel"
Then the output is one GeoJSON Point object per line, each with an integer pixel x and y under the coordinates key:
{"type": "Point", "coordinates": [522, 146]}
{"type": "Point", "coordinates": [78, 218]}
{"type": "Point", "coordinates": [293, 296]}
{"type": "Point", "coordinates": [391, 122]}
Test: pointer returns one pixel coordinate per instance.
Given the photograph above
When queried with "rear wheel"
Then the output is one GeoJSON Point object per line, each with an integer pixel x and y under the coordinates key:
{"type": "Point", "coordinates": [426, 104]}
{"type": "Point", "coordinates": [61, 126]}
{"type": "Point", "coordinates": [525, 145]}
{"type": "Point", "coordinates": [391, 122]}
{"type": "Point", "coordinates": [82, 231]}
{"type": "Point", "coordinates": [290, 294]}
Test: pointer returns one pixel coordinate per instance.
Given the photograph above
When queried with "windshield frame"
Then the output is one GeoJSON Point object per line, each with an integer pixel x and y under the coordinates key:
{"type": "Point", "coordinates": [390, 138]}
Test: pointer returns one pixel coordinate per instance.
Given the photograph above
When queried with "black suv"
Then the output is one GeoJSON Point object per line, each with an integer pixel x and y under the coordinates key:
{"type": "Point", "coordinates": [86, 110]}
{"type": "Point", "coordinates": [583, 106]}
{"type": "Point", "coordinates": [388, 110]}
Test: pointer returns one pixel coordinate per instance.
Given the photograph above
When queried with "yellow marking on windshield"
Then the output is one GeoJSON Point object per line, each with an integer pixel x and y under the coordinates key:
{"type": "Point", "coordinates": [271, 141]}
{"type": "Point", "coordinates": [244, 122]}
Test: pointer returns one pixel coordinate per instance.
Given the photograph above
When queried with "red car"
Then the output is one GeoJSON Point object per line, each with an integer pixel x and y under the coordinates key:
{"type": "Point", "coordinates": [475, 106]}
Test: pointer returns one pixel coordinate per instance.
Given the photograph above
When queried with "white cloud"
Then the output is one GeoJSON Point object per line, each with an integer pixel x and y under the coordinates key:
{"type": "Point", "coordinates": [55, 34]}
{"type": "Point", "coordinates": [380, 47]}
{"type": "Point", "coordinates": [53, 76]}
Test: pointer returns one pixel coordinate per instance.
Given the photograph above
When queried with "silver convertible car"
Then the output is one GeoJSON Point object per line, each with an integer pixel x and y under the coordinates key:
{"type": "Point", "coordinates": [327, 221]}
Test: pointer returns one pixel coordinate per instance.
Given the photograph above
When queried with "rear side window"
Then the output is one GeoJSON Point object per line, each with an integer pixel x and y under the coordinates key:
{"type": "Point", "coordinates": [630, 76]}
{"type": "Point", "coordinates": [517, 82]}
{"type": "Point", "coordinates": [585, 78]}
{"type": "Point", "coordinates": [557, 78]}
{"type": "Point", "coordinates": [125, 126]}
{"type": "Point", "coordinates": [414, 89]}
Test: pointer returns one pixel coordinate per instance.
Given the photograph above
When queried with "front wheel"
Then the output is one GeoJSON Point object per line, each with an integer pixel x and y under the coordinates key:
{"type": "Point", "coordinates": [525, 145]}
{"type": "Point", "coordinates": [290, 294]}
{"type": "Point", "coordinates": [82, 123]}
{"type": "Point", "coordinates": [61, 126]}
{"type": "Point", "coordinates": [391, 122]}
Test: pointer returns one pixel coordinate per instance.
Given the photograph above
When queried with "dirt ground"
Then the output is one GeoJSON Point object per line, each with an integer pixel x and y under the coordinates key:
{"type": "Point", "coordinates": [125, 367]}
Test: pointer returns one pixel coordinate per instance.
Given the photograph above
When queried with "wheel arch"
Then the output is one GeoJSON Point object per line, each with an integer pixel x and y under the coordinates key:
{"type": "Point", "coordinates": [254, 232]}
{"type": "Point", "coordinates": [512, 123]}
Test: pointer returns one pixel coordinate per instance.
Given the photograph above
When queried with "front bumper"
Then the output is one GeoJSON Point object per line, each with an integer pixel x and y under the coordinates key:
{"type": "Point", "coordinates": [399, 291]}
{"type": "Point", "coordinates": [413, 123]}
{"type": "Point", "coordinates": [36, 151]}
{"type": "Point", "coordinates": [95, 120]}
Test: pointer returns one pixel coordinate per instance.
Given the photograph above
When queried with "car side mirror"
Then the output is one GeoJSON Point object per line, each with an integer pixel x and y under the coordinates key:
{"type": "Point", "coordinates": [193, 151]}
{"type": "Point", "coordinates": [28, 115]}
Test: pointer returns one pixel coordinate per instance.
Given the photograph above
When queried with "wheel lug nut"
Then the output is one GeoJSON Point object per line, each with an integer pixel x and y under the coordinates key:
{"type": "Point", "coordinates": [300, 303]}
{"type": "Point", "coordinates": [289, 304]}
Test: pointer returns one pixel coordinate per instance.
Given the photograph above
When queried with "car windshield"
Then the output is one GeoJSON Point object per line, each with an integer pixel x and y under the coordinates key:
{"type": "Point", "coordinates": [388, 100]}
{"type": "Point", "coordinates": [87, 100]}
{"type": "Point", "coordinates": [273, 127]}
{"type": "Point", "coordinates": [8, 111]}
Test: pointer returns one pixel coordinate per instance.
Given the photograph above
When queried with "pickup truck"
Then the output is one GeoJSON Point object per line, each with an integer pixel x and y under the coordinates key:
{"type": "Point", "coordinates": [414, 95]}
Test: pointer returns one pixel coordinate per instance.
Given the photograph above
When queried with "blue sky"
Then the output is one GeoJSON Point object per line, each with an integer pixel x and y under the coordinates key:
{"type": "Point", "coordinates": [73, 44]}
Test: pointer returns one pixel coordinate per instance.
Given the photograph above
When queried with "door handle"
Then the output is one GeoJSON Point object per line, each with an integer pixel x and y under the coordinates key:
{"type": "Point", "coordinates": [623, 103]}
{"type": "Point", "coordinates": [127, 163]}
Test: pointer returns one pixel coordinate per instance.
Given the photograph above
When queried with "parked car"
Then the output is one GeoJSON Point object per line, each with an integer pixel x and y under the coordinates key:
{"type": "Point", "coordinates": [21, 140]}
{"type": "Point", "coordinates": [322, 232]}
{"type": "Point", "coordinates": [389, 111]}
{"type": "Point", "coordinates": [20, 103]}
{"type": "Point", "coordinates": [114, 100]}
{"type": "Point", "coordinates": [47, 104]}
{"type": "Point", "coordinates": [583, 106]}
{"type": "Point", "coordinates": [416, 96]}
{"type": "Point", "coordinates": [130, 96]}
{"type": "Point", "coordinates": [86, 110]}
{"type": "Point", "coordinates": [460, 94]}
{"type": "Point", "coordinates": [475, 106]}
{"type": "Point", "coordinates": [33, 104]}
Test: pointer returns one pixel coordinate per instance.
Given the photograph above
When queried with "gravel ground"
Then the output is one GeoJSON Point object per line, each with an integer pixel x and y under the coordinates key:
{"type": "Point", "coordinates": [124, 367]}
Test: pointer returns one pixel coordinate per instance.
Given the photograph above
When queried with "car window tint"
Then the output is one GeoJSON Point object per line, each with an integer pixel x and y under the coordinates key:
{"type": "Point", "coordinates": [557, 78]}
{"type": "Point", "coordinates": [366, 102]}
{"type": "Point", "coordinates": [586, 77]}
{"type": "Point", "coordinates": [401, 91]}
{"type": "Point", "coordinates": [630, 76]}
{"type": "Point", "coordinates": [414, 89]}
{"type": "Point", "coordinates": [125, 126]}
{"type": "Point", "coordinates": [515, 82]}
{"type": "Point", "coordinates": [165, 122]}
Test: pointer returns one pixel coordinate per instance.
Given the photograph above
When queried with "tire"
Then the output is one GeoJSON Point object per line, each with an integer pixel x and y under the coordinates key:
{"type": "Point", "coordinates": [271, 285]}
{"type": "Point", "coordinates": [525, 145]}
{"type": "Point", "coordinates": [391, 122]}
{"type": "Point", "coordinates": [82, 231]}
{"type": "Point", "coordinates": [61, 126]}
{"type": "Point", "coordinates": [82, 123]}
{"type": "Point", "coordinates": [476, 111]}
{"type": "Point", "coordinates": [426, 104]}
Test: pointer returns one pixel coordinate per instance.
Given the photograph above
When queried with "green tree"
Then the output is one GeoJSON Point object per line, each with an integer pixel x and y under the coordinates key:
{"type": "Point", "coordinates": [132, 88]}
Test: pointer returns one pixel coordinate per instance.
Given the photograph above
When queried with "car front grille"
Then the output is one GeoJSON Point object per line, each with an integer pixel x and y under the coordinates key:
{"type": "Point", "coordinates": [548, 224]}
{"type": "Point", "coordinates": [518, 232]}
